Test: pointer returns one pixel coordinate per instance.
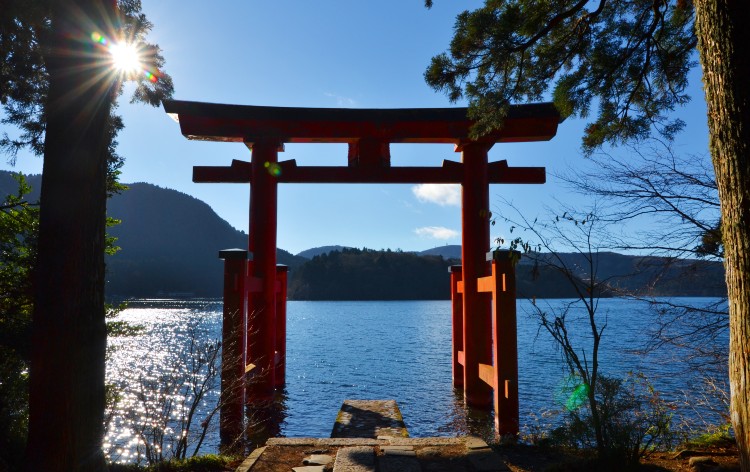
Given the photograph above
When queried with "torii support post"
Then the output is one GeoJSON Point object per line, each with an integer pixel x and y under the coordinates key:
{"type": "Point", "coordinates": [261, 332]}
{"type": "Point", "coordinates": [233, 348]}
{"type": "Point", "coordinates": [475, 241]}
{"type": "Point", "coordinates": [281, 279]}
{"type": "Point", "coordinates": [502, 375]}
{"type": "Point", "coordinates": [457, 327]}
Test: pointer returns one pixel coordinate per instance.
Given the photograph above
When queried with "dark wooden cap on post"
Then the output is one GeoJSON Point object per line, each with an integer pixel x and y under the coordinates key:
{"type": "Point", "coordinates": [282, 268]}
{"type": "Point", "coordinates": [454, 268]}
{"type": "Point", "coordinates": [227, 254]}
{"type": "Point", "coordinates": [503, 254]}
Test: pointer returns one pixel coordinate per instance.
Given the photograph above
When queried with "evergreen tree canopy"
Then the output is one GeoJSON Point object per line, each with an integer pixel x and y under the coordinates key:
{"type": "Point", "coordinates": [25, 46]}
{"type": "Point", "coordinates": [626, 62]}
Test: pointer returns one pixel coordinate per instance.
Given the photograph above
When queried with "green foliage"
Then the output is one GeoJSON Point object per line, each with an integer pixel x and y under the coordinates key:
{"type": "Point", "coordinates": [635, 420]}
{"type": "Point", "coordinates": [627, 61]}
{"type": "Point", "coordinates": [111, 249]}
{"type": "Point", "coordinates": [711, 242]}
{"type": "Point", "coordinates": [18, 226]}
{"type": "Point", "coordinates": [718, 437]}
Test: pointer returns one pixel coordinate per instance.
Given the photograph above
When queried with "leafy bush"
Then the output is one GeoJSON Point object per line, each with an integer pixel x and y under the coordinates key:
{"type": "Point", "coordinates": [634, 420]}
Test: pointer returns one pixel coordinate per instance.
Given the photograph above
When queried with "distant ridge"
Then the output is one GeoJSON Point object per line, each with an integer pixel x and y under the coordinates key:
{"type": "Point", "coordinates": [449, 251]}
{"type": "Point", "coordinates": [170, 243]}
{"type": "Point", "coordinates": [354, 274]}
{"type": "Point", "coordinates": [317, 251]}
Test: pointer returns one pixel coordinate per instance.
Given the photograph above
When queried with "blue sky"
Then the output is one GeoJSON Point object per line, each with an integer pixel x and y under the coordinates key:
{"type": "Point", "coordinates": [328, 53]}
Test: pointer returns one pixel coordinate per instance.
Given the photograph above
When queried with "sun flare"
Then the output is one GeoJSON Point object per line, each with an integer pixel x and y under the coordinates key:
{"type": "Point", "coordinates": [126, 58]}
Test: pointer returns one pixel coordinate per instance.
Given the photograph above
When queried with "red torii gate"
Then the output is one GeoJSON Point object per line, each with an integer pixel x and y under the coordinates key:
{"type": "Point", "coordinates": [368, 132]}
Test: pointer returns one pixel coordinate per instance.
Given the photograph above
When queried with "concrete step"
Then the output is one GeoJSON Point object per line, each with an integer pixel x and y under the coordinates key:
{"type": "Point", "coordinates": [355, 459]}
{"type": "Point", "coordinates": [369, 419]}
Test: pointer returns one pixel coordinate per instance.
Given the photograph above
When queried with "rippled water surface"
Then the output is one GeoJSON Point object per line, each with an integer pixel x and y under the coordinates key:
{"type": "Point", "coordinates": [363, 350]}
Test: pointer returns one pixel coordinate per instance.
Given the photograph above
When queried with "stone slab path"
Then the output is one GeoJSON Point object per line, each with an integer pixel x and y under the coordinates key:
{"type": "Point", "coordinates": [438, 454]}
{"type": "Point", "coordinates": [369, 419]}
{"type": "Point", "coordinates": [370, 436]}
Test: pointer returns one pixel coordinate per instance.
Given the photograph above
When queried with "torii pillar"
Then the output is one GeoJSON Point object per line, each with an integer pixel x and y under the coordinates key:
{"type": "Point", "coordinates": [475, 242]}
{"type": "Point", "coordinates": [261, 332]}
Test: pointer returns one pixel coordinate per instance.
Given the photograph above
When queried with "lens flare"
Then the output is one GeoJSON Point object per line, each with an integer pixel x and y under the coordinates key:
{"type": "Point", "coordinates": [273, 168]}
{"type": "Point", "coordinates": [578, 397]}
{"type": "Point", "coordinates": [98, 38]}
{"type": "Point", "coordinates": [572, 393]}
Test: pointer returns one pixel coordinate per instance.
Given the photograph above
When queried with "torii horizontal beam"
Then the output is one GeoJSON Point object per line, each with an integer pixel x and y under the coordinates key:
{"type": "Point", "coordinates": [243, 123]}
{"type": "Point", "coordinates": [288, 172]}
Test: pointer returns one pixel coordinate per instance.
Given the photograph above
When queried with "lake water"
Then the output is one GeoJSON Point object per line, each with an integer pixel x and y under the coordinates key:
{"type": "Point", "coordinates": [365, 350]}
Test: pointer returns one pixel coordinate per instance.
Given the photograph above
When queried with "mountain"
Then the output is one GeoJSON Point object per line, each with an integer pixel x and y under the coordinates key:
{"type": "Point", "coordinates": [640, 275]}
{"type": "Point", "coordinates": [170, 242]}
{"type": "Point", "coordinates": [452, 251]}
{"type": "Point", "coordinates": [317, 251]}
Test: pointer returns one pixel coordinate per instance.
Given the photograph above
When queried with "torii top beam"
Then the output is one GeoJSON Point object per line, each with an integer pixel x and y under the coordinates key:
{"type": "Point", "coordinates": [243, 123]}
{"type": "Point", "coordinates": [368, 132]}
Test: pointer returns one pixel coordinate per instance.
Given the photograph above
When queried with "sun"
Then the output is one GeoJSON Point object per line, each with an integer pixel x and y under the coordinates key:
{"type": "Point", "coordinates": [126, 58]}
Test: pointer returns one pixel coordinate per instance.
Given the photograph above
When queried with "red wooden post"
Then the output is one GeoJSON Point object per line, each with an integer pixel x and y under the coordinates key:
{"type": "Point", "coordinates": [281, 277]}
{"type": "Point", "coordinates": [457, 327]}
{"type": "Point", "coordinates": [505, 342]}
{"type": "Point", "coordinates": [475, 241]}
{"type": "Point", "coordinates": [262, 307]}
{"type": "Point", "coordinates": [231, 413]}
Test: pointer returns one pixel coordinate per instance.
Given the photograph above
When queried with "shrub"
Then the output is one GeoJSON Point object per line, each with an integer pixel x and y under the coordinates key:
{"type": "Point", "coordinates": [634, 420]}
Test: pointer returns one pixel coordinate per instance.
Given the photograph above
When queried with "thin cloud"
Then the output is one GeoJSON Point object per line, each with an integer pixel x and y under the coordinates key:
{"type": "Point", "coordinates": [436, 232]}
{"type": "Point", "coordinates": [343, 102]}
{"type": "Point", "coordinates": [442, 194]}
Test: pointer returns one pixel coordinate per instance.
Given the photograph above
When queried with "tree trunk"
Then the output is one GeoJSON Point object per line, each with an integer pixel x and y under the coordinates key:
{"type": "Point", "coordinates": [723, 30]}
{"type": "Point", "coordinates": [69, 339]}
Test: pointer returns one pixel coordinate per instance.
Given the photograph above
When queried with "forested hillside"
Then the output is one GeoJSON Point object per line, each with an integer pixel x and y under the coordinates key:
{"type": "Point", "coordinates": [363, 274]}
{"type": "Point", "coordinates": [169, 242]}
{"type": "Point", "coordinates": [354, 274]}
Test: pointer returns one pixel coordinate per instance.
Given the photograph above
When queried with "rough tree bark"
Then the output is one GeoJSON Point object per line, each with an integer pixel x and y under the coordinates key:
{"type": "Point", "coordinates": [723, 30]}
{"type": "Point", "coordinates": [69, 340]}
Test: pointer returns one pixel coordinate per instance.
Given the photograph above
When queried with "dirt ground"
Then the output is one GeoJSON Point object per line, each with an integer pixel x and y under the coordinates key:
{"type": "Point", "coordinates": [521, 458]}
